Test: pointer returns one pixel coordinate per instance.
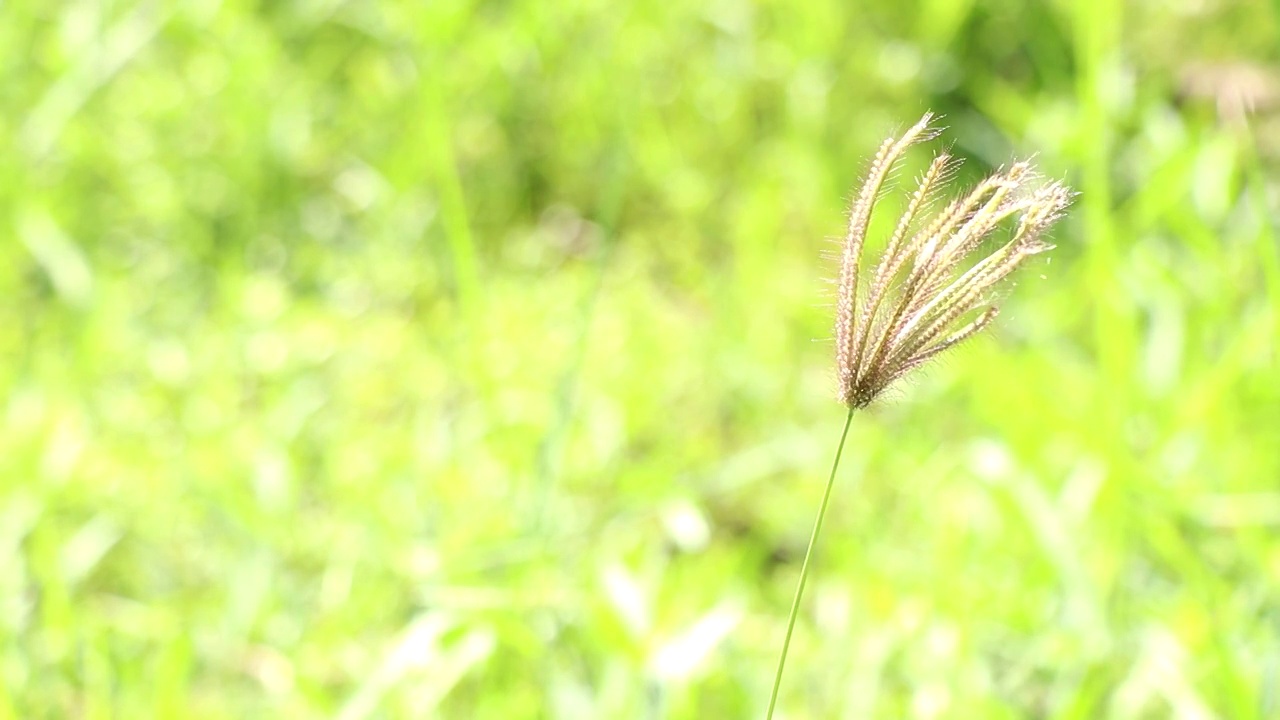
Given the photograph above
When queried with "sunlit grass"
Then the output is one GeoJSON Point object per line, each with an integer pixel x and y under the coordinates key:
{"type": "Point", "coordinates": [254, 463]}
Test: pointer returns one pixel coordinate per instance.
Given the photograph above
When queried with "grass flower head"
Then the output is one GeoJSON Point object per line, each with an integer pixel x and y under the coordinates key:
{"type": "Point", "coordinates": [931, 289]}
{"type": "Point", "coordinates": [927, 293]}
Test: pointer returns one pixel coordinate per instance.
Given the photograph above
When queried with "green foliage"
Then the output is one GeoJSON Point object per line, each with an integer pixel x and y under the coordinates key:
{"type": "Point", "coordinates": [382, 360]}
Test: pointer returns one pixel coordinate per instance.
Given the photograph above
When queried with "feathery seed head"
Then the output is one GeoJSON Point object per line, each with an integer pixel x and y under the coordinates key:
{"type": "Point", "coordinates": [918, 303]}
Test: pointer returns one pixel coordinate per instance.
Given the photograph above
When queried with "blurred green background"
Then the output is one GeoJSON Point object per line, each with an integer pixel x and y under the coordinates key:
{"type": "Point", "coordinates": [457, 359]}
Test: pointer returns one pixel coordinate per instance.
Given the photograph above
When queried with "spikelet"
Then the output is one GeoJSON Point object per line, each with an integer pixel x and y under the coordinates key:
{"type": "Point", "coordinates": [919, 302]}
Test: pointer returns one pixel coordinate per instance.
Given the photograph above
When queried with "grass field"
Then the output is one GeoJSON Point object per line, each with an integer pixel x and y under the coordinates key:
{"type": "Point", "coordinates": [471, 360]}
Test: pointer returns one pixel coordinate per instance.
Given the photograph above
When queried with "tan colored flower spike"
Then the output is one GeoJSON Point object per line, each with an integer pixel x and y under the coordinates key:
{"type": "Point", "coordinates": [917, 302]}
{"type": "Point", "coordinates": [920, 300]}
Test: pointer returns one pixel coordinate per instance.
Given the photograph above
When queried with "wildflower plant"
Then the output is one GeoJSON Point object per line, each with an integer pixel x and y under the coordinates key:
{"type": "Point", "coordinates": [932, 288]}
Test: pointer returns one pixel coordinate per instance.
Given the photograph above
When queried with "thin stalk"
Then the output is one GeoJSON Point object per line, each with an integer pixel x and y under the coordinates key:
{"type": "Point", "coordinates": [804, 568]}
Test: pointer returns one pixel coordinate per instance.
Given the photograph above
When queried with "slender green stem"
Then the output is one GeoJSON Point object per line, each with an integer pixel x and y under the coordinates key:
{"type": "Point", "coordinates": [804, 568]}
